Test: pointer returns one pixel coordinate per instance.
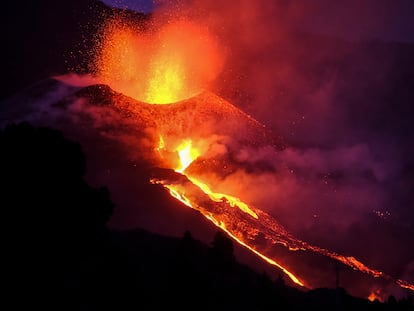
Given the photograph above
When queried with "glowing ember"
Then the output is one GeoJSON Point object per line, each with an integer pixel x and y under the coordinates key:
{"type": "Point", "coordinates": [187, 155]}
{"type": "Point", "coordinates": [375, 295]}
{"type": "Point", "coordinates": [161, 144]}
{"type": "Point", "coordinates": [166, 84]}
{"type": "Point", "coordinates": [178, 61]}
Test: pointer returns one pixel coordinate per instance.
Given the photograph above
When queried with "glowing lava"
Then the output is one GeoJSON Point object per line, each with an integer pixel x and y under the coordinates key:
{"type": "Point", "coordinates": [245, 223]}
{"type": "Point", "coordinates": [167, 64]}
{"type": "Point", "coordinates": [187, 154]}
{"type": "Point", "coordinates": [176, 62]}
{"type": "Point", "coordinates": [375, 295]}
{"type": "Point", "coordinates": [267, 259]}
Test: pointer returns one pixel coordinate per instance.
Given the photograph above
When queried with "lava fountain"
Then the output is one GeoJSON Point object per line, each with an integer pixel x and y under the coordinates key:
{"type": "Point", "coordinates": [162, 65]}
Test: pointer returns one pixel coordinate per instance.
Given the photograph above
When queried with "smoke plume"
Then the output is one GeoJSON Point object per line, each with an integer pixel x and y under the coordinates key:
{"type": "Point", "coordinates": [316, 74]}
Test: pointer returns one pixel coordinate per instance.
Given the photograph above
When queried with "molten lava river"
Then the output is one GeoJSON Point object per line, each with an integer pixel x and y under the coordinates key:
{"type": "Point", "coordinates": [194, 133]}
{"type": "Point", "coordinates": [242, 222]}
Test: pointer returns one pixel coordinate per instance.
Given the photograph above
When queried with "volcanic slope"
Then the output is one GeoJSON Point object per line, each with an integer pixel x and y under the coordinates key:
{"type": "Point", "coordinates": [197, 142]}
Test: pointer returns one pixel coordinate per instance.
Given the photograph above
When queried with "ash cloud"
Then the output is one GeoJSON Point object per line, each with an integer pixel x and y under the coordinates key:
{"type": "Point", "coordinates": [316, 74]}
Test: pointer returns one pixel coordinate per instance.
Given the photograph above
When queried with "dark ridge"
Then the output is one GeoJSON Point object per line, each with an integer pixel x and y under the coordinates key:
{"type": "Point", "coordinates": [98, 95]}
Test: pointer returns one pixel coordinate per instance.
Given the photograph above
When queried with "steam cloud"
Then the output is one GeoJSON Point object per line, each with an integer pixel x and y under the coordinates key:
{"type": "Point", "coordinates": [343, 181]}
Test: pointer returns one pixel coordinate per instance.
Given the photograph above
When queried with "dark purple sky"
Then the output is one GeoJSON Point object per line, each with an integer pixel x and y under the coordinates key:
{"type": "Point", "coordinates": [138, 5]}
{"type": "Point", "coordinates": [348, 18]}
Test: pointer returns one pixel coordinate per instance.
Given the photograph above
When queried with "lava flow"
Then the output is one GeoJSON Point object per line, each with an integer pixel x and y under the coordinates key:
{"type": "Point", "coordinates": [187, 155]}
{"type": "Point", "coordinates": [177, 62]}
{"type": "Point", "coordinates": [245, 223]}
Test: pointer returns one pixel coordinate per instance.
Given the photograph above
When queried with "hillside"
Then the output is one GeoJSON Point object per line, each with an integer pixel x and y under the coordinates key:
{"type": "Point", "coordinates": [59, 253]}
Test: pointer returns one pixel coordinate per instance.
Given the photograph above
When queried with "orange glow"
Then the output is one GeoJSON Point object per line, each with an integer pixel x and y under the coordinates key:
{"type": "Point", "coordinates": [267, 259]}
{"type": "Point", "coordinates": [161, 144]}
{"type": "Point", "coordinates": [176, 62]}
{"type": "Point", "coordinates": [376, 294]}
{"type": "Point", "coordinates": [222, 225]}
{"type": "Point", "coordinates": [179, 196]}
{"type": "Point", "coordinates": [405, 284]}
{"type": "Point", "coordinates": [220, 197]}
{"type": "Point", "coordinates": [244, 229]}
{"type": "Point", "coordinates": [176, 193]}
{"type": "Point", "coordinates": [166, 83]}
{"type": "Point", "coordinates": [186, 154]}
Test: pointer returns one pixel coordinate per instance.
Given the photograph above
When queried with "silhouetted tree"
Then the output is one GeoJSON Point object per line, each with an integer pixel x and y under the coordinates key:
{"type": "Point", "coordinates": [44, 191]}
{"type": "Point", "coordinates": [186, 259]}
{"type": "Point", "coordinates": [53, 221]}
{"type": "Point", "coordinates": [222, 246]}
{"type": "Point", "coordinates": [280, 281]}
{"type": "Point", "coordinates": [221, 257]}
{"type": "Point", "coordinates": [406, 303]}
{"type": "Point", "coordinates": [392, 301]}
{"type": "Point", "coordinates": [187, 243]}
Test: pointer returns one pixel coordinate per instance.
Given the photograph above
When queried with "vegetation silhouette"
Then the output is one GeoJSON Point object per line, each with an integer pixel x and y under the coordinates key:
{"type": "Point", "coordinates": [59, 254]}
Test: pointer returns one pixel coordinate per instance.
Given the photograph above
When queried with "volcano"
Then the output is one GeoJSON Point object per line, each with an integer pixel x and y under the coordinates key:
{"type": "Point", "coordinates": [321, 194]}
{"type": "Point", "coordinates": [198, 149]}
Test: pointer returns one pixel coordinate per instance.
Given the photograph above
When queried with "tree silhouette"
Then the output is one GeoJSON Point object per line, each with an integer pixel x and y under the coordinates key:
{"type": "Point", "coordinates": [43, 187]}
{"type": "Point", "coordinates": [222, 251]}
{"type": "Point", "coordinates": [52, 220]}
{"type": "Point", "coordinates": [222, 245]}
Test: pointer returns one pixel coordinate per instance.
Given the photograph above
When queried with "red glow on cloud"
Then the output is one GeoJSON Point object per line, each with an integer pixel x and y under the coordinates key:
{"type": "Point", "coordinates": [176, 60]}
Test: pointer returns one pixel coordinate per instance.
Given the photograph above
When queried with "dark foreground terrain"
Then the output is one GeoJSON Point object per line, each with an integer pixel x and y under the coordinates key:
{"type": "Point", "coordinates": [58, 252]}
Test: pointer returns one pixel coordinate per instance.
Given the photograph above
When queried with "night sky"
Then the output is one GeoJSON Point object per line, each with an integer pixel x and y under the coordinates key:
{"type": "Point", "coordinates": [348, 18]}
